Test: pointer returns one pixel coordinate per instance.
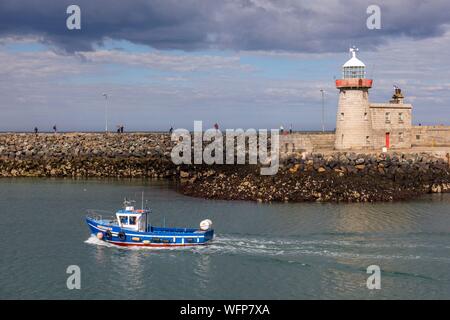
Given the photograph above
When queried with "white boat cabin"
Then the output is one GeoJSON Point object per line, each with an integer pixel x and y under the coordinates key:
{"type": "Point", "coordinates": [131, 219]}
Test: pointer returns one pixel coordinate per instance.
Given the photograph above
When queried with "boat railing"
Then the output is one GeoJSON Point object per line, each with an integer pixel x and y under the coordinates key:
{"type": "Point", "coordinates": [101, 215]}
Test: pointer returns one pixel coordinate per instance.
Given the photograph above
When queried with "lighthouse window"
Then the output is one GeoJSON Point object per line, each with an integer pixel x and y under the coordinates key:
{"type": "Point", "coordinates": [354, 72]}
{"type": "Point", "coordinates": [342, 116]}
{"type": "Point", "coordinates": [400, 117]}
{"type": "Point", "coordinates": [400, 136]}
{"type": "Point", "coordinates": [367, 139]}
{"type": "Point", "coordinates": [365, 115]}
{"type": "Point", "coordinates": [387, 117]}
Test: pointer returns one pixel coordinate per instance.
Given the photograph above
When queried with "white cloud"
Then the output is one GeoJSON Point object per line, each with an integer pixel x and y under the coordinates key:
{"type": "Point", "coordinates": [164, 61]}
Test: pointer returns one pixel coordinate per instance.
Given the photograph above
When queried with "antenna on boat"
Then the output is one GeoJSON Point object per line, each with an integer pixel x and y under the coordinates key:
{"type": "Point", "coordinates": [142, 201]}
{"type": "Point", "coordinates": [127, 202]}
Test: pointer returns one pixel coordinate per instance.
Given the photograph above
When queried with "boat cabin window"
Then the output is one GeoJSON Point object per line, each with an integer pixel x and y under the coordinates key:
{"type": "Point", "coordinates": [128, 220]}
{"type": "Point", "coordinates": [123, 219]}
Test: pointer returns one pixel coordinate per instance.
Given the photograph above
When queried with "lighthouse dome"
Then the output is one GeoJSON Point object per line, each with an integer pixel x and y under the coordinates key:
{"type": "Point", "coordinates": [354, 68]}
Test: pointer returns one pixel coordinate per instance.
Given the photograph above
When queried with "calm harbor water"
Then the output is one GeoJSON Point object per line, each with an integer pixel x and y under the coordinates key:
{"type": "Point", "coordinates": [261, 251]}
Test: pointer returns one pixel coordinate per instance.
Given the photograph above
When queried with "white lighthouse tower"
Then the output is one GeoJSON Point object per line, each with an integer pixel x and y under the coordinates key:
{"type": "Point", "coordinates": [353, 123]}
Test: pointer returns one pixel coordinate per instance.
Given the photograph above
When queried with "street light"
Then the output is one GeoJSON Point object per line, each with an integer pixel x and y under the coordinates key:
{"type": "Point", "coordinates": [323, 110]}
{"type": "Point", "coordinates": [106, 112]}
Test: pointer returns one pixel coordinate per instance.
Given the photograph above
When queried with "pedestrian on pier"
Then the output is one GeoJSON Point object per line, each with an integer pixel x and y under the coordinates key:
{"type": "Point", "coordinates": [36, 130]}
{"type": "Point", "coordinates": [54, 129]}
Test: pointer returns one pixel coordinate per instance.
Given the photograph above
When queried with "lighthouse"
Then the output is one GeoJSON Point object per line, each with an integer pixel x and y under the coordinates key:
{"type": "Point", "coordinates": [353, 122]}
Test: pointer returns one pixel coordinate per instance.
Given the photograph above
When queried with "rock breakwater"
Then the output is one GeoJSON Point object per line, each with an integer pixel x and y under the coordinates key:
{"type": "Point", "coordinates": [86, 155]}
{"type": "Point", "coordinates": [339, 177]}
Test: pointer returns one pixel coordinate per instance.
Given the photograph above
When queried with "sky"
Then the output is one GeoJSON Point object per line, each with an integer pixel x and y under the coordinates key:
{"type": "Point", "coordinates": [240, 63]}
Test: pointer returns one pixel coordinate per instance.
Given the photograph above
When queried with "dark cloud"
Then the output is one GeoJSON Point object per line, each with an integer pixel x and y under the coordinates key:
{"type": "Point", "coordinates": [288, 25]}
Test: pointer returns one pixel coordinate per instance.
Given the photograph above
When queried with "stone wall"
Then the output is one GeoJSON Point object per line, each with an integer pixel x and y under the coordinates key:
{"type": "Point", "coordinates": [306, 142]}
{"type": "Point", "coordinates": [430, 136]}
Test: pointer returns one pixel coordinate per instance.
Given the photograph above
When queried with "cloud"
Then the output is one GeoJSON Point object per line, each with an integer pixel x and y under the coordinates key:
{"type": "Point", "coordinates": [165, 61]}
{"type": "Point", "coordinates": [38, 65]}
{"type": "Point", "coordinates": [271, 60]}
{"type": "Point", "coordinates": [45, 78]}
{"type": "Point", "coordinates": [283, 25]}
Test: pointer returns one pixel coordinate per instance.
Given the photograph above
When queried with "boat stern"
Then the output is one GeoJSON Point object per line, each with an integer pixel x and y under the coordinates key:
{"type": "Point", "coordinates": [209, 235]}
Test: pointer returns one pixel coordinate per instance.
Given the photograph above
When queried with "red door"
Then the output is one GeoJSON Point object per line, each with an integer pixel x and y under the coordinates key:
{"type": "Point", "coordinates": [387, 140]}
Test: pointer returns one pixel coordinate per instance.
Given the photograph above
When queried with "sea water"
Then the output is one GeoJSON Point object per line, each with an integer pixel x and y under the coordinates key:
{"type": "Point", "coordinates": [260, 251]}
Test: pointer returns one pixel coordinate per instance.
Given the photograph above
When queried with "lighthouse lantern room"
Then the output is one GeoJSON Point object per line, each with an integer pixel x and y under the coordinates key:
{"type": "Point", "coordinates": [354, 68]}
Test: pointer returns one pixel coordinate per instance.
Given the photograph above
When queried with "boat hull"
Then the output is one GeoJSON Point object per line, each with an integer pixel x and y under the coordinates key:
{"type": "Point", "coordinates": [156, 237]}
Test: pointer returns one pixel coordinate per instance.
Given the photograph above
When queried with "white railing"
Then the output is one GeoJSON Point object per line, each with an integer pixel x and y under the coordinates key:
{"type": "Point", "coordinates": [101, 215]}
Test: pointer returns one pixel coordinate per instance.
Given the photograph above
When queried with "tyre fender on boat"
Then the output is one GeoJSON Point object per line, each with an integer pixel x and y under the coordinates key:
{"type": "Point", "coordinates": [122, 236]}
{"type": "Point", "coordinates": [108, 235]}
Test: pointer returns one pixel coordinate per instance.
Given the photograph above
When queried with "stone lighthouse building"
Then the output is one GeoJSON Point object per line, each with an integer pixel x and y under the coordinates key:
{"type": "Point", "coordinates": [353, 122]}
{"type": "Point", "coordinates": [364, 125]}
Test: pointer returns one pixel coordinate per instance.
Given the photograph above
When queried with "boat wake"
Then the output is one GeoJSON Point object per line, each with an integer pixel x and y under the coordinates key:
{"type": "Point", "coordinates": [292, 248]}
{"type": "Point", "coordinates": [95, 241]}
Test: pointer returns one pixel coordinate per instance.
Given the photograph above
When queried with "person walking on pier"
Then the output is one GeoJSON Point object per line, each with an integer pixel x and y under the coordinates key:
{"type": "Point", "coordinates": [36, 131]}
{"type": "Point", "coordinates": [54, 129]}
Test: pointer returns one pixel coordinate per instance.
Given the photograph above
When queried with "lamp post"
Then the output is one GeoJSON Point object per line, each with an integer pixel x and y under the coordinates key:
{"type": "Point", "coordinates": [106, 112]}
{"type": "Point", "coordinates": [323, 110]}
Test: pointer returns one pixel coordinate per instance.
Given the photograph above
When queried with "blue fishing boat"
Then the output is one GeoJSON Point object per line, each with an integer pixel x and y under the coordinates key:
{"type": "Point", "coordinates": [131, 227]}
